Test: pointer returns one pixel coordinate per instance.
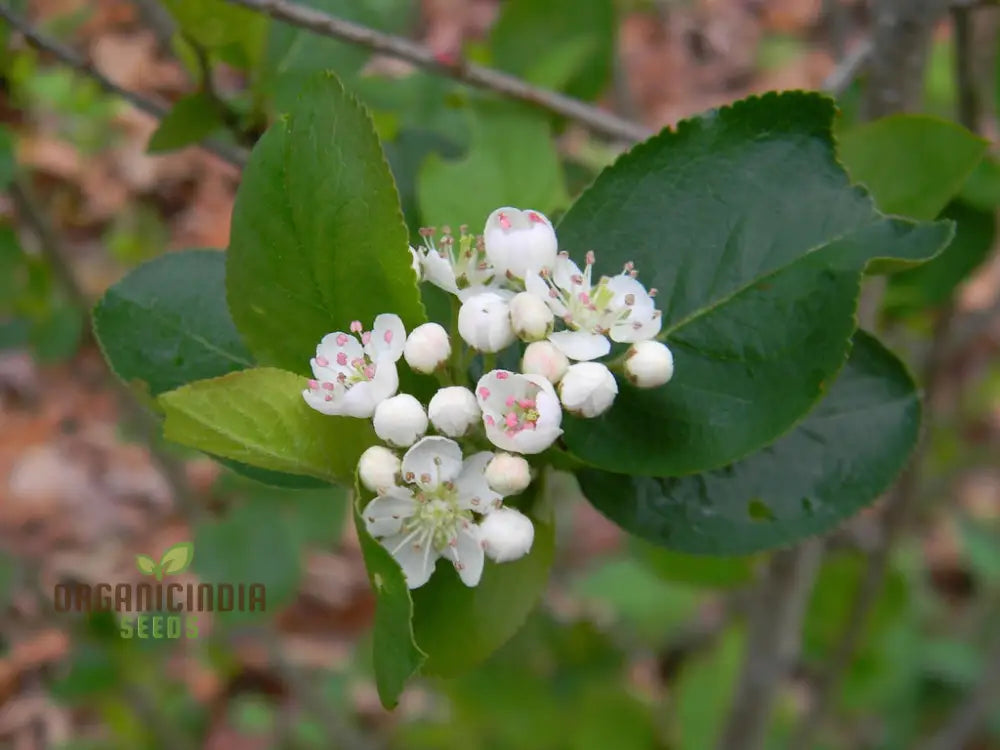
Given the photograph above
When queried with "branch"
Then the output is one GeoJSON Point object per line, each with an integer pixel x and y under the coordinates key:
{"type": "Point", "coordinates": [43, 43]}
{"type": "Point", "coordinates": [597, 120]}
{"type": "Point", "coordinates": [848, 68]}
{"type": "Point", "coordinates": [773, 642]}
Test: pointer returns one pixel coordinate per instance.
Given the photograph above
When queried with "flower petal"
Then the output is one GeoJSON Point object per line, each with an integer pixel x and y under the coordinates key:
{"type": "Point", "coordinates": [388, 338]}
{"type": "Point", "coordinates": [495, 387]}
{"type": "Point", "coordinates": [467, 555]}
{"type": "Point", "coordinates": [415, 556]}
{"type": "Point", "coordinates": [385, 514]}
{"type": "Point", "coordinates": [536, 285]}
{"type": "Point", "coordinates": [624, 286]}
{"type": "Point", "coordinates": [431, 461]}
{"type": "Point", "coordinates": [637, 327]}
{"type": "Point", "coordinates": [564, 272]}
{"type": "Point", "coordinates": [581, 345]}
{"type": "Point", "coordinates": [438, 270]}
{"type": "Point", "coordinates": [473, 491]}
{"type": "Point", "coordinates": [334, 355]}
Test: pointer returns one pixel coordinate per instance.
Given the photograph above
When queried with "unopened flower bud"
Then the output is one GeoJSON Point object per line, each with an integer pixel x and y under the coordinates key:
{"type": "Point", "coordinates": [378, 468]}
{"type": "Point", "coordinates": [427, 348]}
{"type": "Point", "coordinates": [484, 322]}
{"type": "Point", "coordinates": [507, 474]}
{"type": "Point", "coordinates": [649, 364]}
{"type": "Point", "coordinates": [517, 241]}
{"type": "Point", "coordinates": [545, 359]}
{"type": "Point", "coordinates": [588, 389]}
{"type": "Point", "coordinates": [506, 534]}
{"type": "Point", "coordinates": [400, 420]}
{"type": "Point", "coordinates": [453, 411]}
{"type": "Point", "coordinates": [530, 317]}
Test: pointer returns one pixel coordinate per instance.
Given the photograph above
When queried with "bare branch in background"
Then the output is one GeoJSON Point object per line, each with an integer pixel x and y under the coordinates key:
{"type": "Point", "coordinates": [43, 43]}
{"type": "Point", "coordinates": [773, 642]}
{"type": "Point", "coordinates": [596, 119]}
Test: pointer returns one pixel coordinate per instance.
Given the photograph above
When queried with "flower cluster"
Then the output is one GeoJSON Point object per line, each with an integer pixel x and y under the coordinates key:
{"type": "Point", "coordinates": [444, 496]}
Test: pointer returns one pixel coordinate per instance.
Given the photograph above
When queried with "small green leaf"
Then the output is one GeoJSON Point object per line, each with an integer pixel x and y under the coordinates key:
{"type": "Point", "coordinates": [8, 158]}
{"type": "Point", "coordinates": [233, 33]}
{"type": "Point", "coordinates": [191, 119]}
{"type": "Point", "coordinates": [396, 654]}
{"type": "Point", "coordinates": [913, 164]}
{"type": "Point", "coordinates": [847, 451]}
{"type": "Point", "coordinates": [512, 162]}
{"type": "Point", "coordinates": [318, 238]}
{"type": "Point", "coordinates": [177, 558]}
{"type": "Point", "coordinates": [166, 323]}
{"type": "Point", "coordinates": [146, 565]}
{"type": "Point", "coordinates": [258, 417]}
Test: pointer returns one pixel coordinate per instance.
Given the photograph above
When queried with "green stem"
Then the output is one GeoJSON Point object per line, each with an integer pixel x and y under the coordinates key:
{"type": "Point", "coordinates": [456, 367]}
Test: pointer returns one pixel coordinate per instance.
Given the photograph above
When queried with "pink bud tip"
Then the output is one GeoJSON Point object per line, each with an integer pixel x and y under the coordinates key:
{"type": "Point", "coordinates": [585, 298]}
{"type": "Point", "coordinates": [484, 392]}
{"type": "Point", "coordinates": [490, 421]}
{"type": "Point", "coordinates": [355, 326]}
{"type": "Point", "coordinates": [504, 221]}
{"type": "Point", "coordinates": [653, 291]}
{"type": "Point", "coordinates": [502, 374]}
{"type": "Point", "coordinates": [388, 337]}
{"type": "Point", "coordinates": [342, 359]}
{"type": "Point", "coordinates": [511, 419]}
{"type": "Point", "coordinates": [366, 337]}
{"type": "Point", "coordinates": [590, 257]}
{"type": "Point", "coordinates": [342, 339]}
{"type": "Point", "coordinates": [510, 401]}
{"type": "Point", "coordinates": [536, 218]}
{"type": "Point", "coordinates": [328, 398]}
{"type": "Point", "coordinates": [328, 386]}
{"type": "Point", "coordinates": [322, 361]}
{"type": "Point", "coordinates": [313, 384]}
{"type": "Point", "coordinates": [526, 403]}
{"type": "Point", "coordinates": [370, 372]}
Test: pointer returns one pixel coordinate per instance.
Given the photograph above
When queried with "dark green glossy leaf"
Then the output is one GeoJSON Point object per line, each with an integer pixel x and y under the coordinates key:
{"type": "Point", "coordinates": [933, 283]}
{"type": "Point", "coordinates": [458, 626]}
{"type": "Point", "coordinates": [838, 460]}
{"type": "Point", "coordinates": [883, 156]}
{"type": "Point", "coordinates": [273, 478]}
{"type": "Point", "coordinates": [318, 238]}
{"type": "Point", "coordinates": [166, 324]}
{"type": "Point", "coordinates": [259, 417]}
{"type": "Point", "coordinates": [749, 229]}
{"type": "Point", "coordinates": [397, 656]}
{"type": "Point", "coordinates": [190, 119]}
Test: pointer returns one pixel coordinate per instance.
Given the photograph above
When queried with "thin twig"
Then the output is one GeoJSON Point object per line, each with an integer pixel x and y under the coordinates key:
{"type": "Point", "coordinates": [773, 643]}
{"type": "Point", "coordinates": [42, 42]}
{"type": "Point", "coordinates": [849, 68]}
{"type": "Point", "coordinates": [596, 119]}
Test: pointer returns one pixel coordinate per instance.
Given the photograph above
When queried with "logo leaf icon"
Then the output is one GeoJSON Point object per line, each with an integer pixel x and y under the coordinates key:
{"type": "Point", "coordinates": [177, 559]}
{"type": "Point", "coordinates": [146, 565]}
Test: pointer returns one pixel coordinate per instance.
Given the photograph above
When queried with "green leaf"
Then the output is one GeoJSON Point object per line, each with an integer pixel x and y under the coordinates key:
{"type": "Point", "coordinates": [913, 164]}
{"type": "Point", "coordinates": [512, 162]}
{"type": "Point", "coordinates": [748, 228]}
{"type": "Point", "coordinates": [8, 158]}
{"type": "Point", "coordinates": [982, 189]}
{"type": "Point", "coordinates": [146, 565]}
{"type": "Point", "coordinates": [933, 283]}
{"type": "Point", "coordinates": [838, 460]}
{"type": "Point", "coordinates": [166, 324]}
{"type": "Point", "coordinates": [177, 558]}
{"type": "Point", "coordinates": [258, 417]}
{"type": "Point", "coordinates": [458, 626]}
{"type": "Point", "coordinates": [191, 119]}
{"type": "Point", "coordinates": [273, 478]}
{"type": "Point", "coordinates": [705, 689]}
{"type": "Point", "coordinates": [318, 238]}
{"type": "Point", "coordinates": [234, 33]}
{"type": "Point", "coordinates": [529, 33]}
{"type": "Point", "coordinates": [396, 654]}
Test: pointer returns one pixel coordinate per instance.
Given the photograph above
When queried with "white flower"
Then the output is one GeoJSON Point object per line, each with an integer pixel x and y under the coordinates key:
{"type": "Point", "coordinates": [415, 264]}
{"type": "Point", "coordinates": [521, 413]}
{"type": "Point", "coordinates": [459, 268]}
{"type": "Point", "coordinates": [649, 364]}
{"type": "Point", "coordinates": [617, 306]}
{"type": "Point", "coordinates": [432, 514]}
{"type": "Point", "coordinates": [588, 389]}
{"type": "Point", "coordinates": [506, 534]}
{"type": "Point", "coordinates": [484, 322]}
{"type": "Point", "coordinates": [453, 411]}
{"type": "Point", "coordinates": [378, 468]}
{"type": "Point", "coordinates": [543, 358]}
{"type": "Point", "coordinates": [519, 241]}
{"type": "Point", "coordinates": [400, 420]}
{"type": "Point", "coordinates": [352, 377]}
{"type": "Point", "coordinates": [427, 348]}
{"type": "Point", "coordinates": [530, 317]}
{"type": "Point", "coordinates": [507, 474]}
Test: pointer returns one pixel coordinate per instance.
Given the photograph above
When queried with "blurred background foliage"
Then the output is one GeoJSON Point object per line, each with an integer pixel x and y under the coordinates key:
{"type": "Point", "coordinates": [634, 646]}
